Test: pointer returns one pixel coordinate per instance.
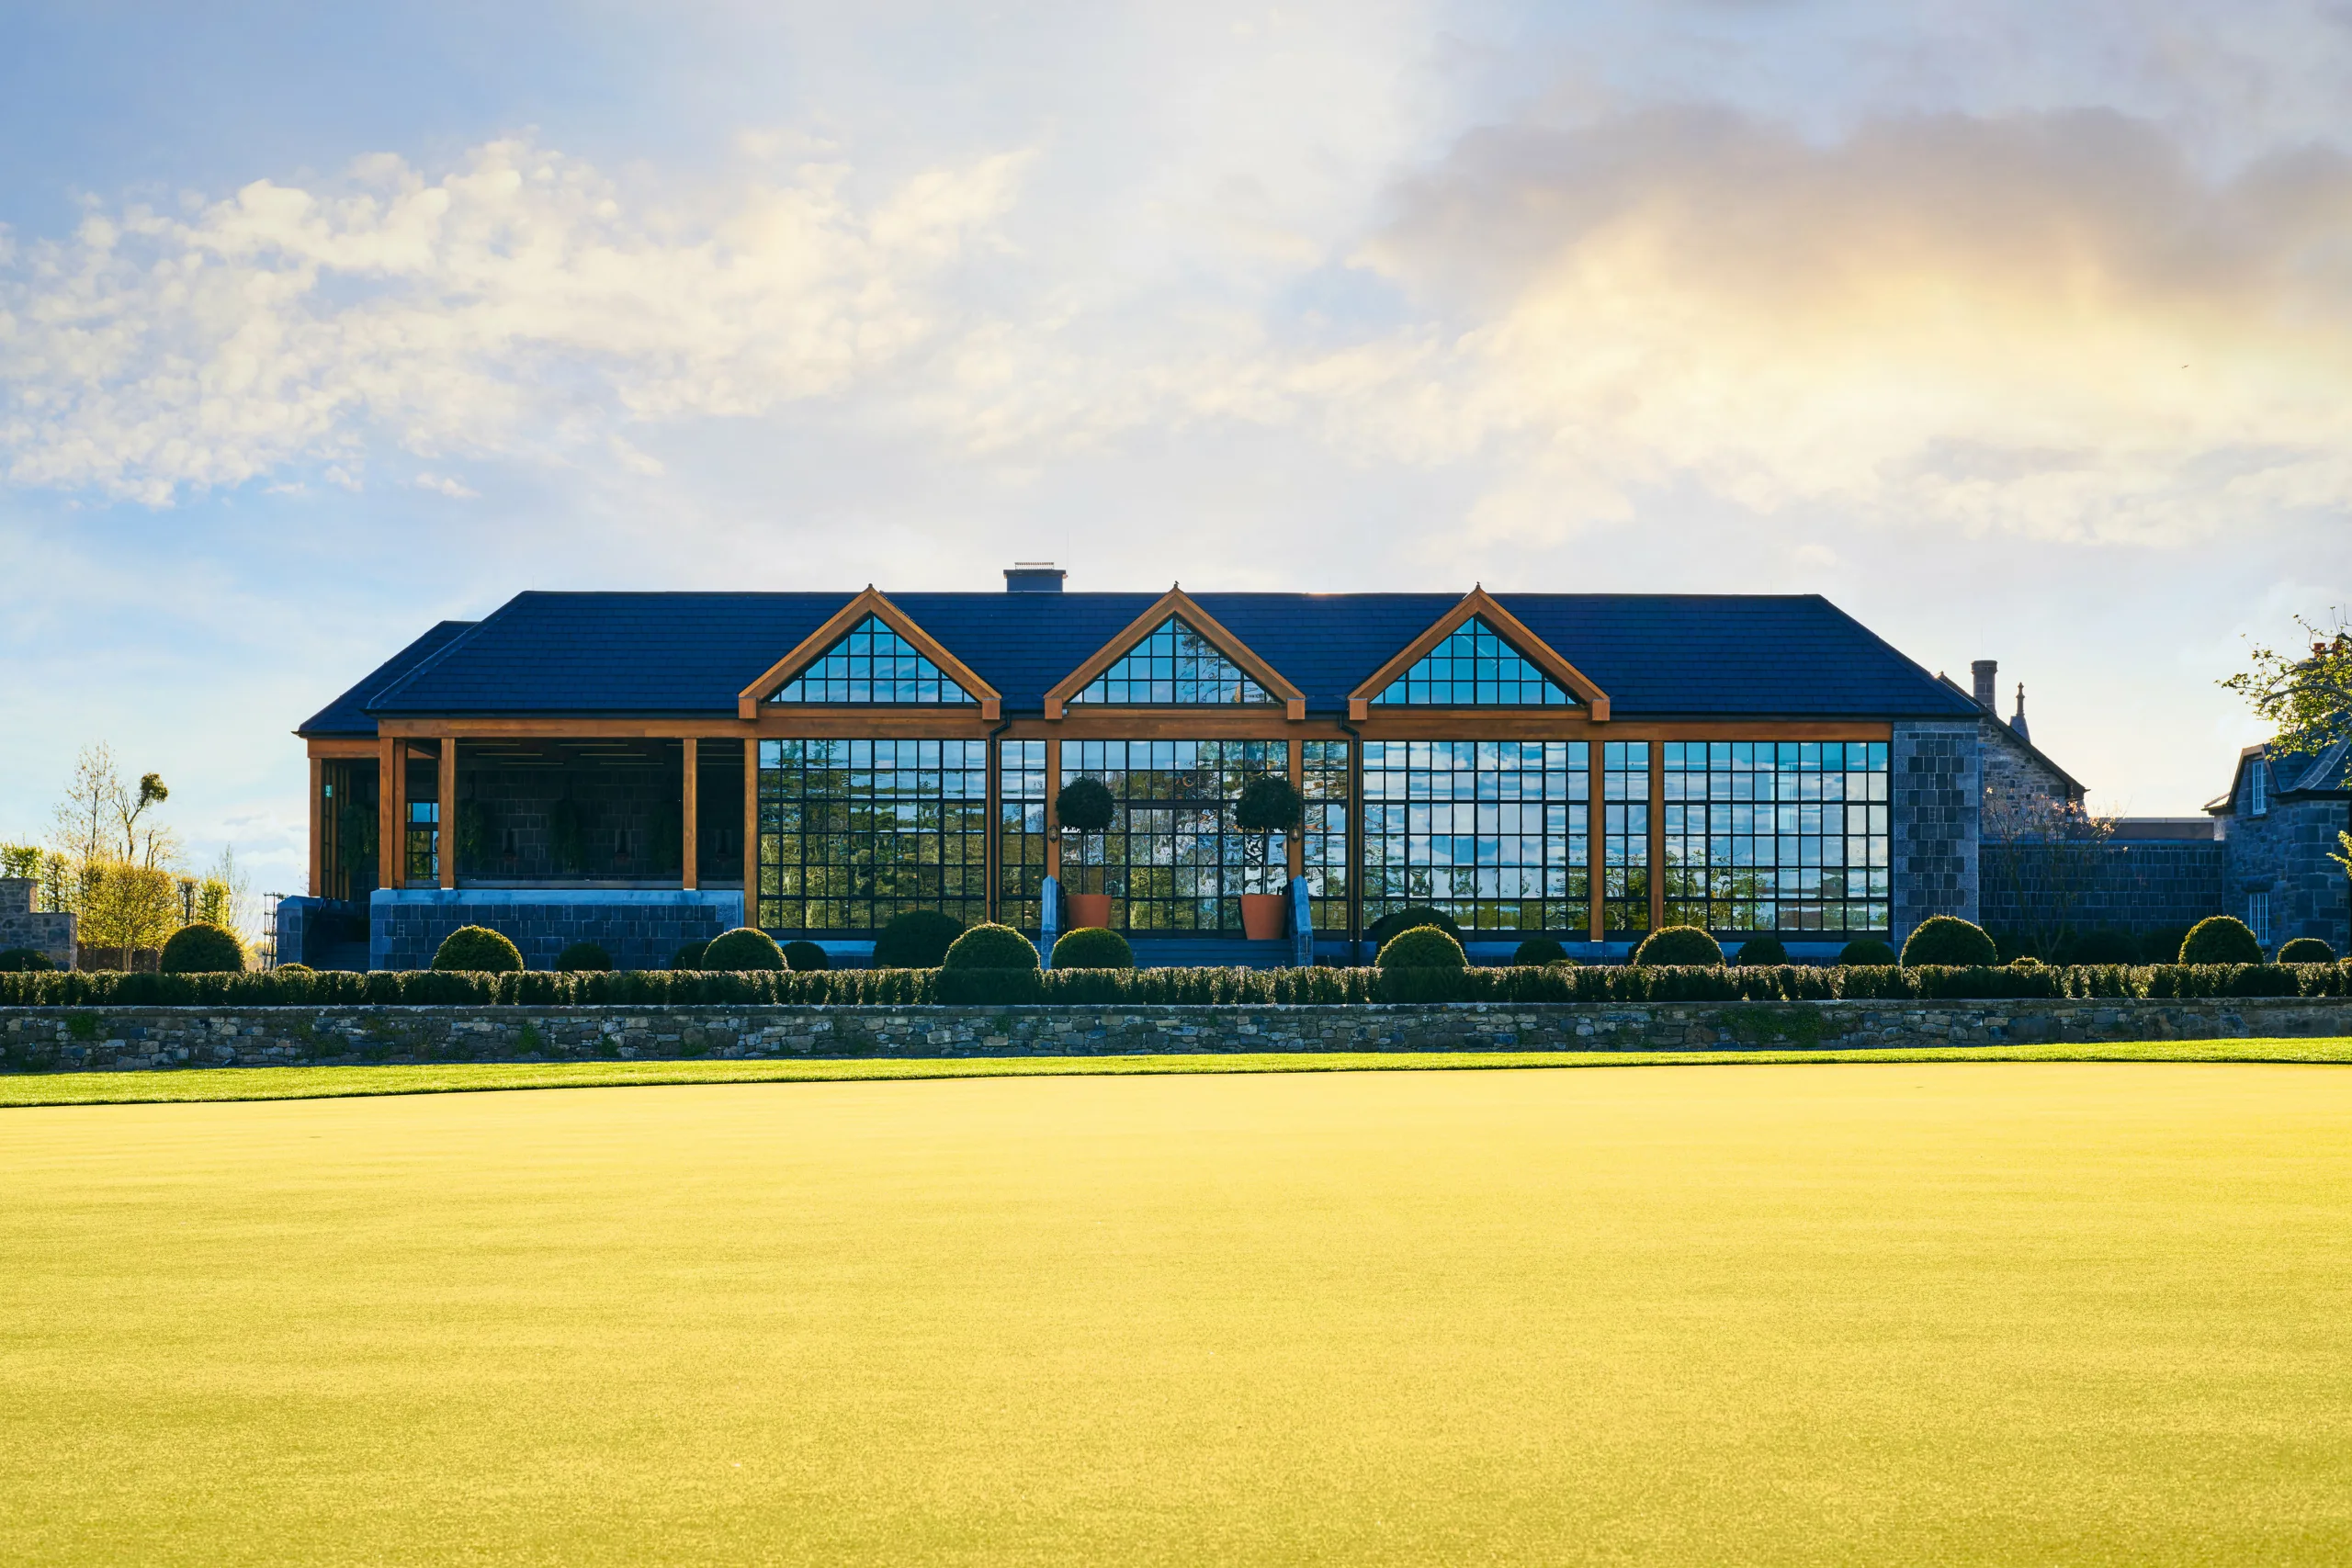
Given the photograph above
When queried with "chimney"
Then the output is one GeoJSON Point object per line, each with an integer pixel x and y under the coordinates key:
{"type": "Point", "coordinates": [2017, 723]}
{"type": "Point", "coordinates": [1984, 669]}
{"type": "Point", "coordinates": [1033, 577]}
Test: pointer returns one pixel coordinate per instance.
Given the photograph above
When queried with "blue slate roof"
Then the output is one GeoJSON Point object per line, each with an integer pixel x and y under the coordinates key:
{"type": "Point", "coordinates": [1657, 655]}
{"type": "Point", "coordinates": [348, 714]}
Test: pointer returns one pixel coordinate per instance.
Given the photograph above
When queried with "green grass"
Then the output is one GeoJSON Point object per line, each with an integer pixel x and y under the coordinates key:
{"type": "Point", "coordinates": [335, 1082]}
{"type": "Point", "coordinates": [1886, 1313]}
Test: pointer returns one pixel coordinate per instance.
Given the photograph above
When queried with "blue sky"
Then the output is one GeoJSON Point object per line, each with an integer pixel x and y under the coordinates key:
{"type": "Point", "coordinates": [2021, 331]}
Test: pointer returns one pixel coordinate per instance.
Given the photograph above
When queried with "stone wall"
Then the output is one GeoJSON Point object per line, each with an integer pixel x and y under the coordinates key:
{"type": "Point", "coordinates": [2138, 887]}
{"type": "Point", "coordinates": [136, 1037]}
{"type": "Point", "coordinates": [2016, 780]}
{"type": "Point", "coordinates": [639, 928]}
{"type": "Point", "coordinates": [21, 926]}
{"type": "Point", "coordinates": [1937, 781]}
{"type": "Point", "coordinates": [2284, 853]}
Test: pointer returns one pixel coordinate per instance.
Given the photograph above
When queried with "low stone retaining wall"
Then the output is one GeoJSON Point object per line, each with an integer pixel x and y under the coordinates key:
{"type": "Point", "coordinates": [34, 1039]}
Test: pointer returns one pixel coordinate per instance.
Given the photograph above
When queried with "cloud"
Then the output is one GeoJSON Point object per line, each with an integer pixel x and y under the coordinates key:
{"type": "Point", "coordinates": [512, 302]}
{"type": "Point", "coordinates": [441, 484]}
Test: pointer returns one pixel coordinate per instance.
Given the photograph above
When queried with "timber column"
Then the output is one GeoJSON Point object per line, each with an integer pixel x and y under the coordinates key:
{"type": "Point", "coordinates": [391, 805]}
{"type": "Point", "coordinates": [445, 834]}
{"type": "Point", "coordinates": [690, 774]}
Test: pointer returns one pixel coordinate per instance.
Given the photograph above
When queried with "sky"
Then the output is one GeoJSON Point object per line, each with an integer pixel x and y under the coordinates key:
{"type": "Point", "coordinates": [2020, 332]}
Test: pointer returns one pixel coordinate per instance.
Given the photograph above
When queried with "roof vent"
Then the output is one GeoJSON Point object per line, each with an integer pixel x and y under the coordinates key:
{"type": "Point", "coordinates": [1033, 577]}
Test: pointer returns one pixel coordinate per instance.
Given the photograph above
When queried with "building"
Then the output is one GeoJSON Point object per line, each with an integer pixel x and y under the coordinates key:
{"type": "Point", "coordinates": [644, 769]}
{"type": "Point", "coordinates": [2277, 828]}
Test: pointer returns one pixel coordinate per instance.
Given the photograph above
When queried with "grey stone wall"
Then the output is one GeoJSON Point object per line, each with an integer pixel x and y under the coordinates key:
{"type": "Point", "coordinates": [2137, 886]}
{"type": "Point", "coordinates": [50, 935]}
{"type": "Point", "coordinates": [642, 929]}
{"type": "Point", "coordinates": [318, 932]}
{"type": "Point", "coordinates": [130, 1037]}
{"type": "Point", "coordinates": [2284, 853]}
{"type": "Point", "coordinates": [2014, 780]}
{"type": "Point", "coordinates": [1938, 784]}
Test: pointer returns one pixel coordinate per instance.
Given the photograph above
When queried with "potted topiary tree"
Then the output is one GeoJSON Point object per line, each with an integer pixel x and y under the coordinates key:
{"type": "Point", "coordinates": [1085, 807]}
{"type": "Point", "coordinates": [1268, 806]}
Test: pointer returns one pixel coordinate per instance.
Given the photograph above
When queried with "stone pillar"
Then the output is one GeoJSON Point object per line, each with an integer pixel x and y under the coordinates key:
{"type": "Point", "coordinates": [1936, 779]}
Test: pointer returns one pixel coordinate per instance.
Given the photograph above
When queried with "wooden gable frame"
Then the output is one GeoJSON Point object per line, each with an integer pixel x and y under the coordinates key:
{"type": "Point", "coordinates": [818, 643]}
{"type": "Point", "coordinates": [1179, 604]}
{"type": "Point", "coordinates": [1529, 647]}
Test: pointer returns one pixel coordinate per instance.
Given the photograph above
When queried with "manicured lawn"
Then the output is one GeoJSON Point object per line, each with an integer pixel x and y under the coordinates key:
{"type": "Point", "coordinates": [1901, 1313]}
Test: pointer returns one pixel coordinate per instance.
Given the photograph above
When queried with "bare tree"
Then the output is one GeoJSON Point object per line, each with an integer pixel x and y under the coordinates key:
{"type": "Point", "coordinates": [2049, 853]}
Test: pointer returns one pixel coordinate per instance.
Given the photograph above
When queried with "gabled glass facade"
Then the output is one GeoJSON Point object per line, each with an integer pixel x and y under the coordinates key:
{"type": "Point", "coordinates": [1174, 667]}
{"type": "Point", "coordinates": [1473, 667]}
{"type": "Point", "coordinates": [873, 665]}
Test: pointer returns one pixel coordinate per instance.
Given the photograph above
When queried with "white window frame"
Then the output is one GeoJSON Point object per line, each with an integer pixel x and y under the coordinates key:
{"type": "Point", "coordinates": [2257, 793]}
{"type": "Point", "coordinates": [2257, 917]}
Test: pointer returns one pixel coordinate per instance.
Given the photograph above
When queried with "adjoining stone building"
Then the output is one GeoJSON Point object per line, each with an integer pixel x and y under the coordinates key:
{"type": "Point", "coordinates": [21, 926]}
{"type": "Point", "coordinates": [2276, 827]}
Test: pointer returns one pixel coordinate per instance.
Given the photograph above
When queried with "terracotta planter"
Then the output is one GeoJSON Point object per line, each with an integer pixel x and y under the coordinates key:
{"type": "Point", "coordinates": [1262, 916]}
{"type": "Point", "coordinates": [1087, 909]}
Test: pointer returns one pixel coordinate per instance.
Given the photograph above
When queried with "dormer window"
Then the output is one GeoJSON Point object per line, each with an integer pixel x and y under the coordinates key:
{"type": "Point", "coordinates": [873, 665]}
{"type": "Point", "coordinates": [2257, 788]}
{"type": "Point", "coordinates": [1473, 667]}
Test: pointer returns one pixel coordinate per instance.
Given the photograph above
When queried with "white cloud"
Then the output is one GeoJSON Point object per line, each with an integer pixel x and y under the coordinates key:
{"type": "Point", "coordinates": [441, 484]}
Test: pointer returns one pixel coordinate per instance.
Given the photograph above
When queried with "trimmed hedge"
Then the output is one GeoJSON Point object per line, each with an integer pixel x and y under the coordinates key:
{"type": "Point", "coordinates": [1949, 941]}
{"type": "Point", "coordinates": [25, 961]}
{"type": "Point", "coordinates": [690, 955]}
{"type": "Point", "coordinates": [2306, 950]}
{"type": "Point", "coordinates": [1538, 951]}
{"type": "Point", "coordinates": [583, 955]}
{"type": "Point", "coordinates": [1093, 947]}
{"type": "Point", "coordinates": [740, 949]}
{"type": "Point", "coordinates": [805, 957]}
{"type": "Point", "coordinates": [477, 950]}
{"type": "Point", "coordinates": [2221, 938]}
{"type": "Point", "coordinates": [1423, 947]}
{"type": "Point", "coordinates": [1678, 945]}
{"type": "Point", "coordinates": [1868, 951]}
{"type": "Point", "coordinates": [1760, 951]}
{"type": "Point", "coordinates": [992, 947]}
{"type": "Point", "coordinates": [903, 988]}
{"type": "Point", "coordinates": [202, 949]}
{"type": "Point", "coordinates": [918, 939]}
{"type": "Point", "coordinates": [1405, 919]}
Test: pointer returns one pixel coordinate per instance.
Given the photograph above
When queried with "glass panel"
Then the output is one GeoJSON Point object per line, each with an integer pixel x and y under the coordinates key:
{"type": "Point", "coordinates": [1626, 836]}
{"type": "Point", "coordinates": [1323, 780]}
{"type": "Point", "coordinates": [423, 843]}
{"type": "Point", "coordinates": [1473, 667]}
{"type": "Point", "coordinates": [1175, 666]}
{"type": "Point", "coordinates": [873, 665]}
{"type": "Point", "coordinates": [1778, 837]}
{"type": "Point", "coordinates": [1021, 832]}
{"type": "Point", "coordinates": [1173, 860]}
{"type": "Point", "coordinates": [852, 832]}
{"type": "Point", "coordinates": [1493, 833]}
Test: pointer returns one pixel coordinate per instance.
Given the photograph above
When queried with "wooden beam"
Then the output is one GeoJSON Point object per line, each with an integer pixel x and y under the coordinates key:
{"type": "Point", "coordinates": [1179, 604]}
{"type": "Point", "coordinates": [318, 826]}
{"type": "Point", "coordinates": [1534, 648]}
{"type": "Point", "coordinates": [446, 835]}
{"type": "Point", "coordinates": [1658, 834]}
{"type": "Point", "coordinates": [361, 749]}
{"type": "Point", "coordinates": [870, 603]}
{"type": "Point", "coordinates": [391, 807]}
{"type": "Point", "coordinates": [690, 769]}
{"type": "Point", "coordinates": [1124, 724]}
{"type": "Point", "coordinates": [751, 833]}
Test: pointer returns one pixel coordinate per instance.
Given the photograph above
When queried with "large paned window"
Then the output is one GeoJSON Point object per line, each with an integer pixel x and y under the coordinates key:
{"type": "Point", "coordinates": [1172, 859]}
{"type": "Point", "coordinates": [1777, 837]}
{"type": "Point", "coordinates": [852, 832]}
{"type": "Point", "coordinates": [423, 843]}
{"type": "Point", "coordinates": [1323, 830]}
{"type": "Point", "coordinates": [1021, 832]}
{"type": "Point", "coordinates": [1174, 667]}
{"type": "Point", "coordinates": [1473, 667]}
{"type": "Point", "coordinates": [1493, 833]}
{"type": "Point", "coordinates": [873, 665]}
{"type": "Point", "coordinates": [1626, 836]}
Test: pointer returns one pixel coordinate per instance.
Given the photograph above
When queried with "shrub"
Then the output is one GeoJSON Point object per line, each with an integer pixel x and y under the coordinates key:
{"type": "Point", "coordinates": [1762, 952]}
{"type": "Point", "coordinates": [1405, 919]}
{"type": "Point", "coordinates": [1866, 952]}
{"type": "Point", "coordinates": [919, 938]}
{"type": "Point", "coordinates": [2307, 950]}
{"type": "Point", "coordinates": [477, 950]}
{"type": "Point", "coordinates": [742, 949]}
{"type": "Point", "coordinates": [990, 947]}
{"type": "Point", "coordinates": [2106, 947]}
{"type": "Point", "coordinates": [2221, 938]}
{"type": "Point", "coordinates": [1679, 944]}
{"type": "Point", "coordinates": [1091, 947]}
{"type": "Point", "coordinates": [1422, 947]}
{"type": "Point", "coordinates": [2025, 961]}
{"type": "Point", "coordinates": [23, 961]}
{"type": "Point", "coordinates": [202, 949]}
{"type": "Point", "coordinates": [582, 956]}
{"type": "Point", "coordinates": [805, 957]}
{"type": "Point", "coordinates": [1268, 804]}
{"type": "Point", "coordinates": [1538, 951]}
{"type": "Point", "coordinates": [1085, 805]}
{"type": "Point", "coordinates": [1948, 941]}
{"type": "Point", "coordinates": [293, 969]}
{"type": "Point", "coordinates": [689, 956]}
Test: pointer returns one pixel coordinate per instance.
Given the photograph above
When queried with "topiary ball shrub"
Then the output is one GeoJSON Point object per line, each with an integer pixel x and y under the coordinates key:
{"type": "Point", "coordinates": [582, 957]}
{"type": "Point", "coordinates": [1866, 952]}
{"type": "Point", "coordinates": [1422, 947]}
{"type": "Point", "coordinates": [1091, 947]}
{"type": "Point", "coordinates": [2307, 950]}
{"type": "Point", "coordinates": [1538, 951]}
{"type": "Point", "coordinates": [689, 956]}
{"type": "Point", "coordinates": [293, 969]}
{"type": "Point", "coordinates": [2221, 938]}
{"type": "Point", "coordinates": [2024, 961]}
{"type": "Point", "coordinates": [918, 939]}
{"type": "Point", "coordinates": [1412, 916]}
{"type": "Point", "coordinates": [1268, 804]}
{"type": "Point", "coordinates": [23, 961]}
{"type": "Point", "coordinates": [990, 947]}
{"type": "Point", "coordinates": [742, 948]}
{"type": "Point", "coordinates": [805, 957]}
{"type": "Point", "coordinates": [1951, 942]}
{"type": "Point", "coordinates": [1686, 945]}
{"type": "Point", "coordinates": [1762, 952]}
{"type": "Point", "coordinates": [478, 950]}
{"type": "Point", "coordinates": [1085, 805]}
{"type": "Point", "coordinates": [200, 949]}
